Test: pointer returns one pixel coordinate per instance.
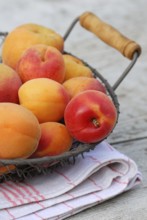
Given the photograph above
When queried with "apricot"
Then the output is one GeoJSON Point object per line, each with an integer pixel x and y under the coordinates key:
{"type": "Point", "coordinates": [46, 98]}
{"type": "Point", "coordinates": [55, 140]}
{"type": "Point", "coordinates": [26, 35]}
{"type": "Point", "coordinates": [79, 84]}
{"type": "Point", "coordinates": [74, 67]}
{"type": "Point", "coordinates": [6, 169]}
{"type": "Point", "coordinates": [73, 58]}
{"type": "Point", "coordinates": [9, 84]}
{"type": "Point", "coordinates": [40, 61]}
{"type": "Point", "coordinates": [19, 131]}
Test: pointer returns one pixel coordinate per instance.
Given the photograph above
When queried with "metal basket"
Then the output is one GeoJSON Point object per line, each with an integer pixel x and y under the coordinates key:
{"type": "Point", "coordinates": [20, 169]}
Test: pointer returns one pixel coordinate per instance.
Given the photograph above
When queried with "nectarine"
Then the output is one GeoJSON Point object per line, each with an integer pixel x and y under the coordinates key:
{"type": "Point", "coordinates": [9, 84]}
{"type": "Point", "coordinates": [90, 116]}
{"type": "Point", "coordinates": [40, 61]}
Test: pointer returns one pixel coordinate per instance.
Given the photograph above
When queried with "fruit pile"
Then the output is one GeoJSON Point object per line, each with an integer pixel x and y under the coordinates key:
{"type": "Point", "coordinates": [48, 98]}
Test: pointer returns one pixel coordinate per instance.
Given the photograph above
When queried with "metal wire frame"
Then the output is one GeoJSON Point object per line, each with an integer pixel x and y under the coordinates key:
{"type": "Point", "coordinates": [26, 168]}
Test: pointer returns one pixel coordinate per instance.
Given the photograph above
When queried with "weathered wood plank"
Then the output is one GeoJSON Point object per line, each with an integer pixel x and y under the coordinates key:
{"type": "Point", "coordinates": [128, 206]}
{"type": "Point", "coordinates": [129, 128]}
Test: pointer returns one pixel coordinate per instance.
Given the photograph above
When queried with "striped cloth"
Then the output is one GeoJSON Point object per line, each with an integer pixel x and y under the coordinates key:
{"type": "Point", "coordinates": [101, 175]}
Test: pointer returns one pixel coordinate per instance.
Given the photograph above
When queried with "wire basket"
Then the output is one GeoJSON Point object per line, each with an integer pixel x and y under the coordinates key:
{"type": "Point", "coordinates": [20, 169]}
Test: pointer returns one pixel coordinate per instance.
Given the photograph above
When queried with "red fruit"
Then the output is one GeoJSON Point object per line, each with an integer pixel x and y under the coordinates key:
{"type": "Point", "coordinates": [90, 116]}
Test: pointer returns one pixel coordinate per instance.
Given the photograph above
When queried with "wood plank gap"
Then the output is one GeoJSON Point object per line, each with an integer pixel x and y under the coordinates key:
{"type": "Point", "coordinates": [128, 140]}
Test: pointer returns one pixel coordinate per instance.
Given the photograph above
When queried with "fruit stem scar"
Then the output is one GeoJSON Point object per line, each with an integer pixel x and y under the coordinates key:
{"type": "Point", "coordinates": [95, 122]}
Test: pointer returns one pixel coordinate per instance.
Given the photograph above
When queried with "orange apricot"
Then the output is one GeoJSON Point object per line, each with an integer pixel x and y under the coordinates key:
{"type": "Point", "coordinates": [6, 169]}
{"type": "Point", "coordinates": [79, 84]}
{"type": "Point", "coordinates": [74, 67]}
{"type": "Point", "coordinates": [19, 131]}
{"type": "Point", "coordinates": [46, 98]}
{"type": "Point", "coordinates": [55, 139]}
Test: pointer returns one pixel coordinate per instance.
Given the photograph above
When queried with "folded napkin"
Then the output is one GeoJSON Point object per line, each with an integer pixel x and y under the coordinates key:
{"type": "Point", "coordinates": [102, 174]}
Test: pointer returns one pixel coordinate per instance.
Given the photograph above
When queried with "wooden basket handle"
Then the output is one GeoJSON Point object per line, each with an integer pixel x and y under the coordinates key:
{"type": "Point", "coordinates": [109, 35]}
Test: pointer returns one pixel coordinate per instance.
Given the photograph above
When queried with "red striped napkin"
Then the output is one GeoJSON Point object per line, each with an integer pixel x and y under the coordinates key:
{"type": "Point", "coordinates": [101, 175]}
